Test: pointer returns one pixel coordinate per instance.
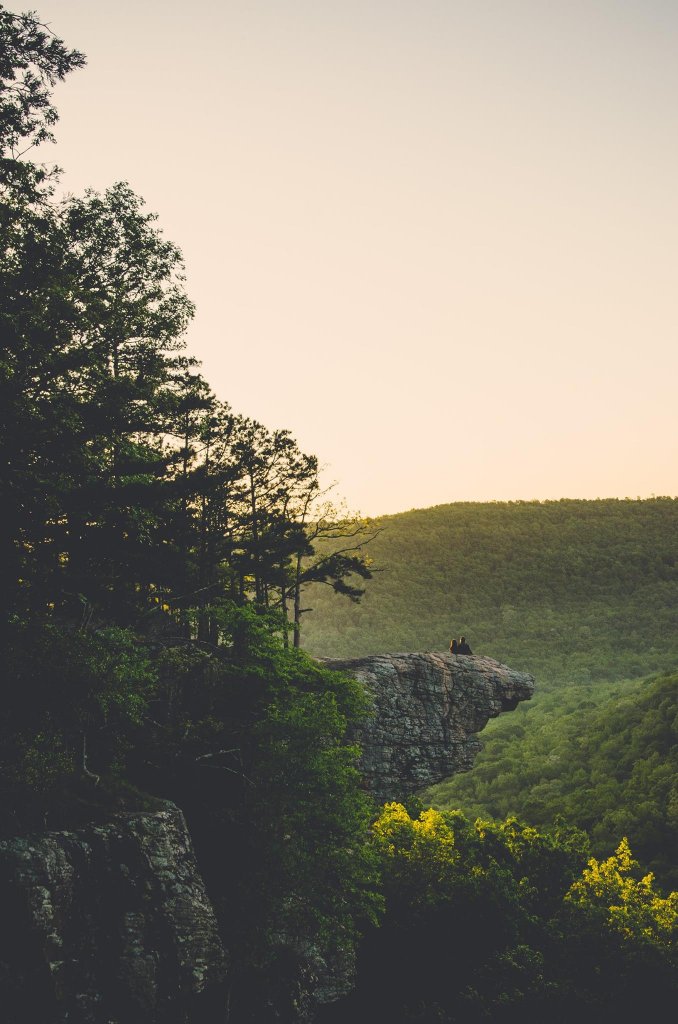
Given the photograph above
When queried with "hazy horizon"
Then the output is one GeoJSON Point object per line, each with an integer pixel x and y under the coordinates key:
{"type": "Point", "coordinates": [436, 241]}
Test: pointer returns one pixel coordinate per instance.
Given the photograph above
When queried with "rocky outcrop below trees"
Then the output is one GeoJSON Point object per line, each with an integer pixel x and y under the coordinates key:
{"type": "Point", "coordinates": [427, 709]}
{"type": "Point", "coordinates": [109, 924]}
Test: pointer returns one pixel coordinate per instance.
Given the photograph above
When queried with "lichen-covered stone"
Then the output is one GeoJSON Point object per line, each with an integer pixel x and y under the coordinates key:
{"type": "Point", "coordinates": [109, 924]}
{"type": "Point", "coordinates": [427, 709]}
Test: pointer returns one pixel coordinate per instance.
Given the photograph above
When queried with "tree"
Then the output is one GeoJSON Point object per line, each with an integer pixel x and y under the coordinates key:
{"type": "Point", "coordinates": [631, 907]}
{"type": "Point", "coordinates": [32, 61]}
{"type": "Point", "coordinates": [133, 311]}
{"type": "Point", "coordinates": [321, 556]}
{"type": "Point", "coordinates": [38, 306]}
{"type": "Point", "coordinates": [93, 310]}
{"type": "Point", "coordinates": [253, 745]}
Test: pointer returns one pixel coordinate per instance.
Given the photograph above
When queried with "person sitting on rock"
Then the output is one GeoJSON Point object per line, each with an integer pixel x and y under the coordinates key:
{"type": "Point", "coordinates": [454, 647]}
{"type": "Point", "coordinates": [463, 647]}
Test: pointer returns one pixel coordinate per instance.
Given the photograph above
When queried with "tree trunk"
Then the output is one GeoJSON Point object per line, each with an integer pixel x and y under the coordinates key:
{"type": "Point", "coordinates": [297, 604]}
{"type": "Point", "coordinates": [84, 768]}
{"type": "Point", "coordinates": [286, 624]}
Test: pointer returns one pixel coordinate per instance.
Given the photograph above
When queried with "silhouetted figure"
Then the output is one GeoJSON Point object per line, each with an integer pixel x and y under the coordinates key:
{"type": "Point", "coordinates": [454, 647]}
{"type": "Point", "coordinates": [463, 647]}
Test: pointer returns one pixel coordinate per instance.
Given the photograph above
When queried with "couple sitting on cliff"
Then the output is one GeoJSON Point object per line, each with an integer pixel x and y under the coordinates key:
{"type": "Point", "coordinates": [460, 646]}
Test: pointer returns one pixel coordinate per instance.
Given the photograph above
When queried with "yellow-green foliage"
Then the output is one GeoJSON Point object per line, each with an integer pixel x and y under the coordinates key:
{"type": "Point", "coordinates": [428, 838]}
{"type": "Point", "coordinates": [632, 906]}
{"type": "Point", "coordinates": [497, 921]}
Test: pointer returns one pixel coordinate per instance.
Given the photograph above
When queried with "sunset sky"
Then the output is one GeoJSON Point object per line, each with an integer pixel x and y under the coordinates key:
{"type": "Point", "coordinates": [437, 240]}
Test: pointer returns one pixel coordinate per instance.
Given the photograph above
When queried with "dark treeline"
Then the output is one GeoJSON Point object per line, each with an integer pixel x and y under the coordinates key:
{"type": "Point", "coordinates": [154, 553]}
{"type": "Point", "coordinates": [155, 547]}
{"type": "Point", "coordinates": [128, 488]}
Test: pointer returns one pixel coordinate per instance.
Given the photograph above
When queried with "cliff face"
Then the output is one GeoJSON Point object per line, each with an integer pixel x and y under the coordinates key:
{"type": "Point", "coordinates": [109, 924]}
{"type": "Point", "coordinates": [427, 710]}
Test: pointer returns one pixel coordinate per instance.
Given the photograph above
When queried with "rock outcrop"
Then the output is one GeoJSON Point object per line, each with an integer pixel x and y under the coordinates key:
{"type": "Point", "coordinates": [109, 924]}
{"type": "Point", "coordinates": [427, 709]}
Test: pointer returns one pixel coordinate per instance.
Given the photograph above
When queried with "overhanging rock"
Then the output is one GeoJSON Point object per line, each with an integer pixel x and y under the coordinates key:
{"type": "Point", "coordinates": [427, 709]}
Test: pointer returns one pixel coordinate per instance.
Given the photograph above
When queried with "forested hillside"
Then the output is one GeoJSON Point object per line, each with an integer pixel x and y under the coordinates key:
{"type": "Point", "coordinates": [568, 590]}
{"type": "Point", "coordinates": [610, 768]}
{"type": "Point", "coordinates": [583, 594]}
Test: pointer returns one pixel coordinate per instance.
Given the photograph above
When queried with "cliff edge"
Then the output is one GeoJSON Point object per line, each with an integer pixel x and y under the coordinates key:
{"type": "Point", "coordinates": [427, 709]}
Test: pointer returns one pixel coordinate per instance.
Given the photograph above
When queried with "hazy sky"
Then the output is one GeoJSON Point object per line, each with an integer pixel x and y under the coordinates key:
{"type": "Point", "coordinates": [437, 240]}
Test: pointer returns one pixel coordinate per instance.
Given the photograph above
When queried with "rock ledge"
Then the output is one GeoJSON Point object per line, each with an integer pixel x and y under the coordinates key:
{"type": "Point", "coordinates": [427, 709]}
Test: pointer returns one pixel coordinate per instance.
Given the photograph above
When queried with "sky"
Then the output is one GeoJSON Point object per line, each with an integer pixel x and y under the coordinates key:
{"type": "Point", "coordinates": [435, 239]}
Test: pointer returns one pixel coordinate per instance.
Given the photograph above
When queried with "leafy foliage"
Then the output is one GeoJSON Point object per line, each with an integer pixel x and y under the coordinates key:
{"type": "Point", "coordinates": [32, 61]}
{"type": "Point", "coordinates": [249, 738]}
{"type": "Point", "coordinates": [500, 922]}
{"type": "Point", "coordinates": [69, 691]}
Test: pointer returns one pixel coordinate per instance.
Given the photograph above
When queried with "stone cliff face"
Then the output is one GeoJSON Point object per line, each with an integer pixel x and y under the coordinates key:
{"type": "Point", "coordinates": [427, 710]}
{"type": "Point", "coordinates": [109, 924]}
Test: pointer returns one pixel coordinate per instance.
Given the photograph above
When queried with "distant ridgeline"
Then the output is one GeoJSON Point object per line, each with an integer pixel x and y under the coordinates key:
{"type": "Point", "coordinates": [571, 591]}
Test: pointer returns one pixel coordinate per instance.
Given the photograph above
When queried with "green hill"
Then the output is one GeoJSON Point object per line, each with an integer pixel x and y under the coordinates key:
{"type": "Point", "coordinates": [569, 590]}
{"type": "Point", "coordinates": [611, 768]}
{"type": "Point", "coordinates": [583, 594]}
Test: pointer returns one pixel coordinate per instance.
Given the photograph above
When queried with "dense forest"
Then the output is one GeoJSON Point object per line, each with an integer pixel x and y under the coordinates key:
{"type": "Point", "coordinates": [572, 591]}
{"type": "Point", "coordinates": [610, 767]}
{"type": "Point", "coordinates": [155, 545]}
{"type": "Point", "coordinates": [156, 550]}
{"type": "Point", "coordinates": [498, 922]}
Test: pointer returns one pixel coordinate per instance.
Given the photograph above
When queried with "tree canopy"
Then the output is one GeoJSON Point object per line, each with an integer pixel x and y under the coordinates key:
{"type": "Point", "coordinates": [500, 922]}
